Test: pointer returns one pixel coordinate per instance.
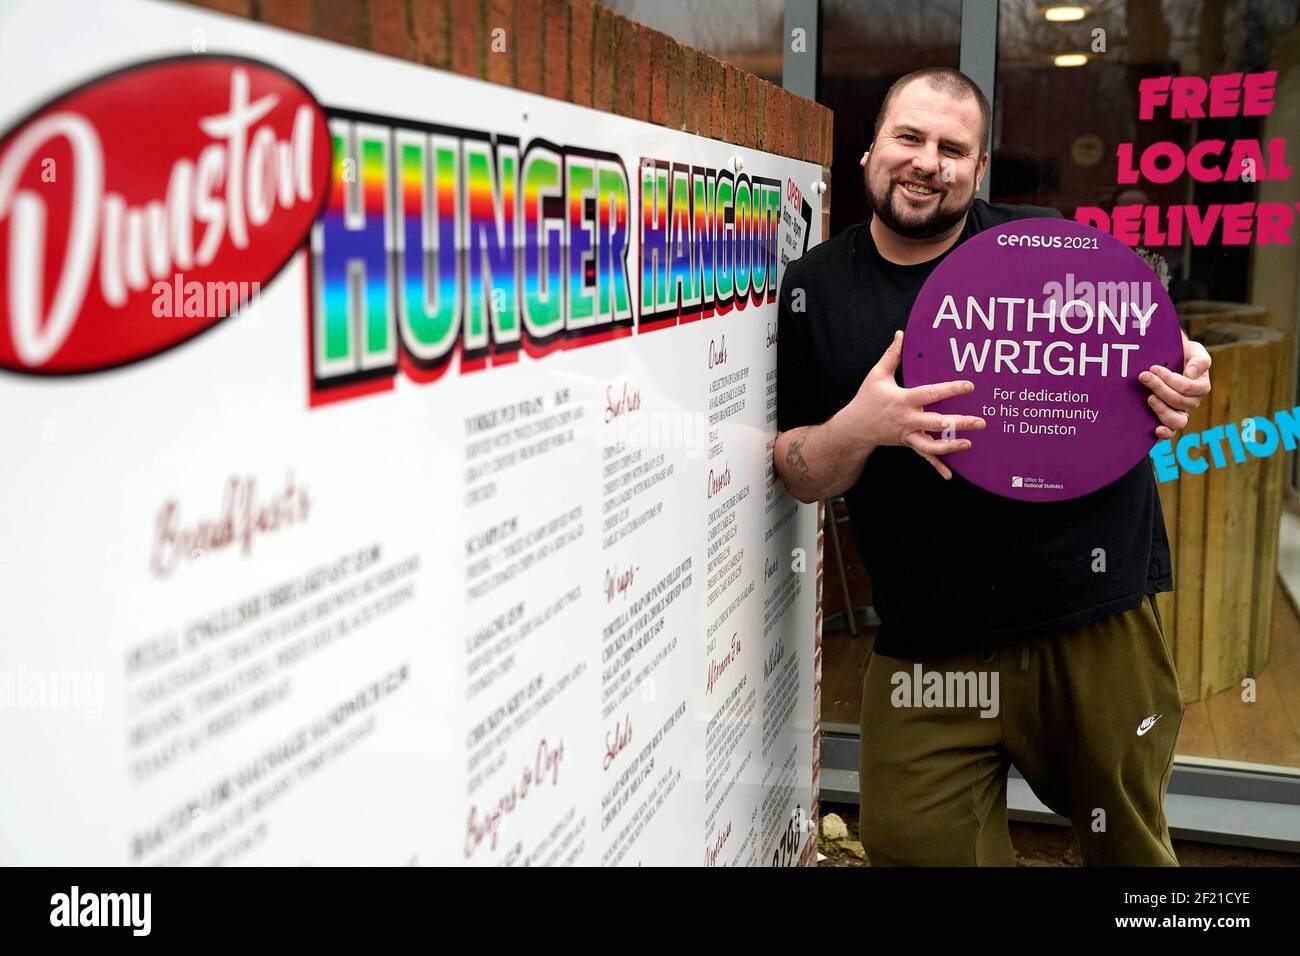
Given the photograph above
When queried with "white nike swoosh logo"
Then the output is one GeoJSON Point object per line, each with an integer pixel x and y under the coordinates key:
{"type": "Point", "coordinates": [1148, 723]}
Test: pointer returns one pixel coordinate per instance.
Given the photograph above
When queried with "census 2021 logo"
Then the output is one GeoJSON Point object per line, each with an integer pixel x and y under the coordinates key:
{"type": "Point", "coordinates": [188, 172]}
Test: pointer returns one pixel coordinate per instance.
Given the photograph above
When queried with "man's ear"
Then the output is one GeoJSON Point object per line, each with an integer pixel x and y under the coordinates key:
{"type": "Point", "coordinates": [981, 169]}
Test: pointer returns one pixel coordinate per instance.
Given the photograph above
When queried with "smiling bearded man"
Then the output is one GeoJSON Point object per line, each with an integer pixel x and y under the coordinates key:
{"type": "Point", "coordinates": [915, 201]}
{"type": "Point", "coordinates": [964, 580]}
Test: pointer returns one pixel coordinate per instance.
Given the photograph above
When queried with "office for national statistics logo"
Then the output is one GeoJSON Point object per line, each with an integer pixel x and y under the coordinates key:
{"type": "Point", "coordinates": [1035, 484]}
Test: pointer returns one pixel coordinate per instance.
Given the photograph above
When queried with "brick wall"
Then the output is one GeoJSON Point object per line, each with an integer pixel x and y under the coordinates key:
{"type": "Point", "coordinates": [590, 56]}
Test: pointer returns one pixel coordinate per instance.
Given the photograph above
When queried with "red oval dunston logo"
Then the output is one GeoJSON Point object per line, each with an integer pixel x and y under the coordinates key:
{"type": "Point", "coordinates": [148, 205]}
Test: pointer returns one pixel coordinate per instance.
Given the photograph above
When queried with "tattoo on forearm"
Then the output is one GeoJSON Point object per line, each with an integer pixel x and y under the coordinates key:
{"type": "Point", "coordinates": [794, 458]}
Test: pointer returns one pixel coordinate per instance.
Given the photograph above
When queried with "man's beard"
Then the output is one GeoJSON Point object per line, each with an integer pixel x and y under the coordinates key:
{"type": "Point", "coordinates": [940, 220]}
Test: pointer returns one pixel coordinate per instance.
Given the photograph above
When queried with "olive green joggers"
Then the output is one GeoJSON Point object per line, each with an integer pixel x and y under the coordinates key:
{"type": "Point", "coordinates": [1089, 717]}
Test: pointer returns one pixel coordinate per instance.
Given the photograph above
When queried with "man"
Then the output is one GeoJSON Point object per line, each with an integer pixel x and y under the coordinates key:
{"type": "Point", "coordinates": [1087, 702]}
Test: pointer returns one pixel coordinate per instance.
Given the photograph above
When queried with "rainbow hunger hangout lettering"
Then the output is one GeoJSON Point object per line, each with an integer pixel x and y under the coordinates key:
{"type": "Point", "coordinates": [439, 241]}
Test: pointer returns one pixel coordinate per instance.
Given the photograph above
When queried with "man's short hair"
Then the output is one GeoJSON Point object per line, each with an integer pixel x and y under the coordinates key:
{"type": "Point", "coordinates": [947, 80]}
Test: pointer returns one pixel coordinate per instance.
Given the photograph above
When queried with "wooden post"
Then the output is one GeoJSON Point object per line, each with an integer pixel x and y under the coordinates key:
{"type": "Point", "coordinates": [1224, 522]}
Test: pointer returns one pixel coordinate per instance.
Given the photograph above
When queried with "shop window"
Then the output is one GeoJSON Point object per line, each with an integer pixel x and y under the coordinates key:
{"type": "Point", "coordinates": [865, 47]}
{"type": "Point", "coordinates": [1070, 132]}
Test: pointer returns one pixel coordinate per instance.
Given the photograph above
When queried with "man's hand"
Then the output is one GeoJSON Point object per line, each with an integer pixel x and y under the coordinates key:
{"type": "Point", "coordinates": [883, 413]}
{"type": "Point", "coordinates": [1174, 395]}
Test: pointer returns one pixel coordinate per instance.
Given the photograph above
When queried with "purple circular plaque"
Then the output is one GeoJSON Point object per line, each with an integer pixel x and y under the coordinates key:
{"type": "Point", "coordinates": [1053, 321]}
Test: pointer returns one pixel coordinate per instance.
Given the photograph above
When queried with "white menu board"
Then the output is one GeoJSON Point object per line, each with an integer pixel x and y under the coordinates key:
{"type": "Point", "coordinates": [387, 470]}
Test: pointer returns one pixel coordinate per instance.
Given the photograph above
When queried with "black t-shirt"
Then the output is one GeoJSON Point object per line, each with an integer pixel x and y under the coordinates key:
{"type": "Point", "coordinates": [951, 564]}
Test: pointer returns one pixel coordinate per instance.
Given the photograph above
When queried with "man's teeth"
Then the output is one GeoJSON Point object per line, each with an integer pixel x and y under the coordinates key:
{"type": "Point", "coordinates": [917, 190]}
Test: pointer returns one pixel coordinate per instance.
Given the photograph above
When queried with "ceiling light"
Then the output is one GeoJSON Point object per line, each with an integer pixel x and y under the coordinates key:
{"type": "Point", "coordinates": [1064, 14]}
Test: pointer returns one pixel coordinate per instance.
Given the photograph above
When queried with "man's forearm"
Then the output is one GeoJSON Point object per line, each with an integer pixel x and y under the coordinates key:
{"type": "Point", "coordinates": [819, 461]}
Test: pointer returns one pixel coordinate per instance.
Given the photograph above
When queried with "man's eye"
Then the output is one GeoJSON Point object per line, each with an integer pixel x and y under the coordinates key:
{"type": "Point", "coordinates": [909, 136]}
{"type": "Point", "coordinates": [953, 150]}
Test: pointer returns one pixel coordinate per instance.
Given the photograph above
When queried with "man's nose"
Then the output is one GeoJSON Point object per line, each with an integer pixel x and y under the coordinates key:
{"type": "Point", "coordinates": [926, 160]}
